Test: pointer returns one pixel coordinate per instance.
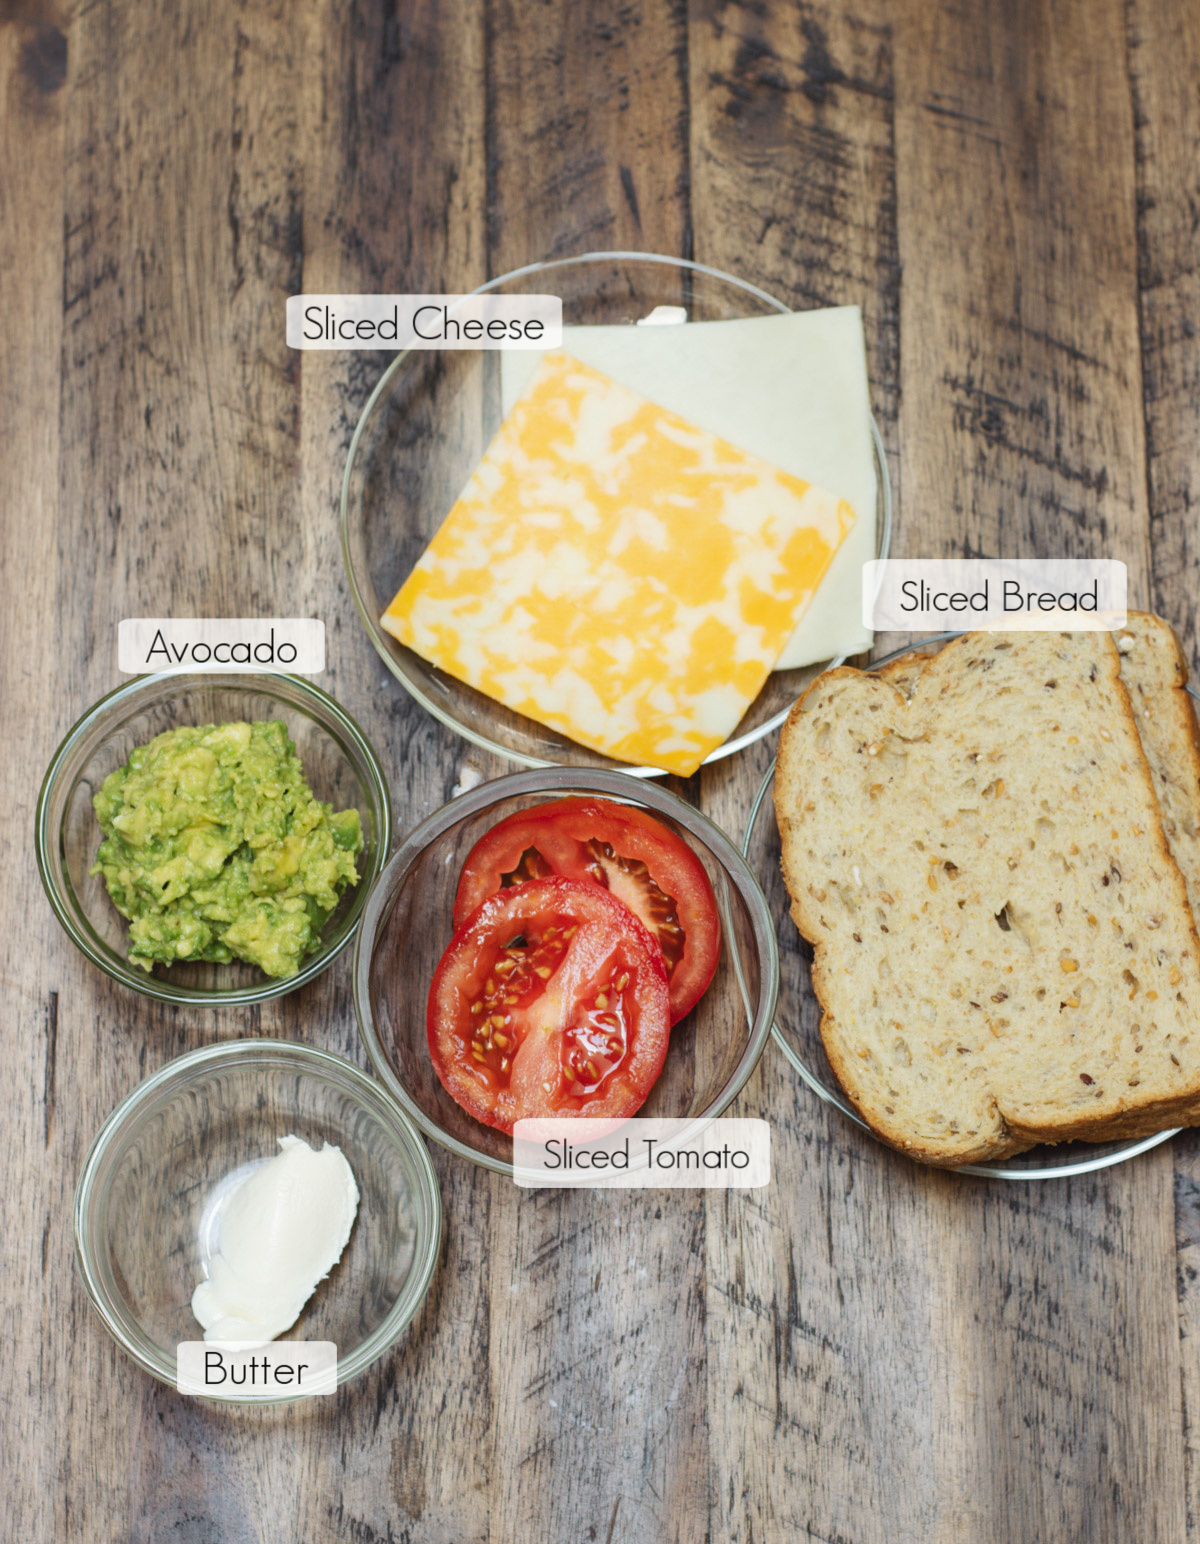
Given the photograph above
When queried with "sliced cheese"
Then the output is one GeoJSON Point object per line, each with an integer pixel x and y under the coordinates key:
{"type": "Point", "coordinates": [791, 388]}
{"type": "Point", "coordinates": [618, 574]}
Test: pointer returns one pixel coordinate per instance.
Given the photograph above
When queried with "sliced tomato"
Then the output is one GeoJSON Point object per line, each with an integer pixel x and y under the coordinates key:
{"type": "Point", "coordinates": [621, 847]}
{"type": "Point", "coordinates": [550, 1000]}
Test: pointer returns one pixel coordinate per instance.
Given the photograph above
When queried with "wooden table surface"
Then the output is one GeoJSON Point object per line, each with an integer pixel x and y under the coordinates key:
{"type": "Point", "coordinates": [866, 1351]}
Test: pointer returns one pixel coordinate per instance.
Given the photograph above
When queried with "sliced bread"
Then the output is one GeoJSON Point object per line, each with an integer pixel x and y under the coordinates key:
{"type": "Point", "coordinates": [1005, 953]}
{"type": "Point", "coordinates": [1155, 674]}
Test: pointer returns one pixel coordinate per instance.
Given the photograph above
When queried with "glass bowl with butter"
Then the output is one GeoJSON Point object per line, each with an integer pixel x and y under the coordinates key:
{"type": "Point", "coordinates": [187, 787]}
{"type": "Point", "coordinates": [590, 600]}
{"type": "Point", "coordinates": [712, 1051]}
{"type": "Point", "coordinates": [159, 1213]}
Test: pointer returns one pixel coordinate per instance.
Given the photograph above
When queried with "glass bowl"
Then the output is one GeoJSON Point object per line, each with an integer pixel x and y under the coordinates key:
{"type": "Point", "coordinates": [797, 1025]}
{"type": "Point", "coordinates": [407, 925]}
{"type": "Point", "coordinates": [424, 429]}
{"type": "Point", "coordinates": [339, 763]}
{"type": "Point", "coordinates": [164, 1149]}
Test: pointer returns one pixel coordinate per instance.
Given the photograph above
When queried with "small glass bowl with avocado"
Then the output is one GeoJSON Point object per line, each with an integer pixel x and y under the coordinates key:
{"type": "Point", "coordinates": [213, 838]}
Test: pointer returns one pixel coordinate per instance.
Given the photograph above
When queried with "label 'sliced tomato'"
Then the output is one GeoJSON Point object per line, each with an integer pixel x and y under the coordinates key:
{"type": "Point", "coordinates": [621, 847]}
{"type": "Point", "coordinates": [550, 1000]}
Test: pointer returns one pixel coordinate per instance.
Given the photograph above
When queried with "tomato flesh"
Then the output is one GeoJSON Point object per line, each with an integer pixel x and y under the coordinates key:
{"type": "Point", "coordinates": [625, 850]}
{"type": "Point", "coordinates": [550, 1000]}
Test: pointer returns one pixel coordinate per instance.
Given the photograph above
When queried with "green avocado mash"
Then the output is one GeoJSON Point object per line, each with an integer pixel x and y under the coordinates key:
{"type": "Point", "coordinates": [215, 848]}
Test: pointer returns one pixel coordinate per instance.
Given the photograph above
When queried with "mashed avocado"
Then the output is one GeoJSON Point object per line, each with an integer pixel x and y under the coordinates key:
{"type": "Point", "coordinates": [215, 848]}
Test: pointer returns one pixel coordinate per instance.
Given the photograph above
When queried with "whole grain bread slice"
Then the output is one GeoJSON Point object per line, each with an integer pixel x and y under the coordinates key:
{"type": "Point", "coordinates": [1005, 953]}
{"type": "Point", "coordinates": [1155, 674]}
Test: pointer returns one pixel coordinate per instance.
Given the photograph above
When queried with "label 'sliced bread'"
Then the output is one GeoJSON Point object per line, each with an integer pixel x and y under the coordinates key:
{"type": "Point", "coordinates": [1005, 953]}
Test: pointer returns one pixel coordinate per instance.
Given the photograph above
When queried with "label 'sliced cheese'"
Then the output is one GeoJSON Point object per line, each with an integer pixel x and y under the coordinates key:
{"type": "Point", "coordinates": [616, 573]}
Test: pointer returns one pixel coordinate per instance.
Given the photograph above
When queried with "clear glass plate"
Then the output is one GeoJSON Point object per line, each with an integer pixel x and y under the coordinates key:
{"type": "Point", "coordinates": [797, 1023]}
{"type": "Point", "coordinates": [426, 426]}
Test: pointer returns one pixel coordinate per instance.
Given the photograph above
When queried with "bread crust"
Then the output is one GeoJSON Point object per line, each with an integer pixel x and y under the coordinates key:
{"type": "Point", "coordinates": [1170, 735]}
{"type": "Point", "coordinates": [899, 683]}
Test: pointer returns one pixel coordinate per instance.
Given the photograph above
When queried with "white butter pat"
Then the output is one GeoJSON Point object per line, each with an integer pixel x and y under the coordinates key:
{"type": "Point", "coordinates": [275, 1234]}
{"type": "Point", "coordinates": [791, 389]}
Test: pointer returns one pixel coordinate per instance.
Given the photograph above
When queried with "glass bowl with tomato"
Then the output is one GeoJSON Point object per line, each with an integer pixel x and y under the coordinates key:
{"type": "Point", "coordinates": [558, 944]}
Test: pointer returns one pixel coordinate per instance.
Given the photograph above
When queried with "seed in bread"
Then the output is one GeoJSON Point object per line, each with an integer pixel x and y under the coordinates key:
{"type": "Point", "coordinates": [1004, 950]}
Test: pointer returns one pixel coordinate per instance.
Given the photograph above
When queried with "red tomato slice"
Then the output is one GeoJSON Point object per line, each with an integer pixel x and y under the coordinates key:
{"type": "Point", "coordinates": [550, 1000]}
{"type": "Point", "coordinates": [644, 864]}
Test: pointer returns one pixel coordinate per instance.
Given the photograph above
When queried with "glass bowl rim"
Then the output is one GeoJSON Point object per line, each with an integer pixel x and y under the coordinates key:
{"type": "Point", "coordinates": [837, 1099]}
{"type": "Point", "coordinates": [324, 706]}
{"type": "Point", "coordinates": [562, 782]}
{"type": "Point", "coordinates": [883, 535]}
{"type": "Point", "coordinates": [327, 1066]}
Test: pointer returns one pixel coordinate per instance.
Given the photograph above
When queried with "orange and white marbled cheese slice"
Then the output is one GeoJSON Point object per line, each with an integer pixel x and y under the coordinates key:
{"type": "Point", "coordinates": [617, 573]}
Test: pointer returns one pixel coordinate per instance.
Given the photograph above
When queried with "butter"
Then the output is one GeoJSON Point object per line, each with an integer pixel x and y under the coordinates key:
{"type": "Point", "coordinates": [273, 1235]}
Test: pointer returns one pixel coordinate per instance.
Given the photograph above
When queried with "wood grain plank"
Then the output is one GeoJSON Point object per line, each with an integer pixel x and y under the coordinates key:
{"type": "Point", "coordinates": [917, 1341]}
{"type": "Point", "coordinates": [598, 1358]}
{"type": "Point", "coordinates": [1163, 43]}
{"type": "Point", "coordinates": [178, 444]}
{"type": "Point", "coordinates": [35, 1196]}
{"type": "Point", "coordinates": [793, 163]}
{"type": "Point", "coordinates": [1185, 1151]}
{"type": "Point", "coordinates": [394, 201]}
{"type": "Point", "coordinates": [794, 185]}
{"type": "Point", "coordinates": [1164, 57]}
{"type": "Point", "coordinates": [587, 129]}
{"type": "Point", "coordinates": [100, 315]}
{"type": "Point", "coordinates": [1022, 434]}
{"type": "Point", "coordinates": [1019, 317]}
